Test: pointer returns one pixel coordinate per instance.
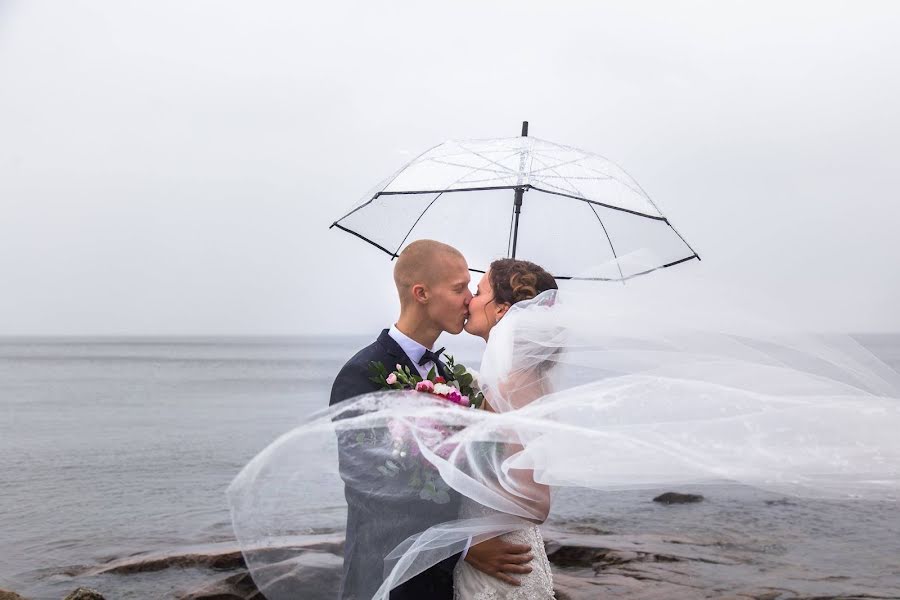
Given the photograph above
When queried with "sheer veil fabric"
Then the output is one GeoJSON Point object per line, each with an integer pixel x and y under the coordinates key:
{"type": "Point", "coordinates": [601, 388]}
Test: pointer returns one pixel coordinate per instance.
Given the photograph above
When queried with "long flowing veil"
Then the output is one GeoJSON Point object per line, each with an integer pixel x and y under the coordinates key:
{"type": "Point", "coordinates": [594, 388]}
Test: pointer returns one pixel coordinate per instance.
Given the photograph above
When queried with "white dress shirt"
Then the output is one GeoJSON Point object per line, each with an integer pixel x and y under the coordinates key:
{"type": "Point", "coordinates": [413, 349]}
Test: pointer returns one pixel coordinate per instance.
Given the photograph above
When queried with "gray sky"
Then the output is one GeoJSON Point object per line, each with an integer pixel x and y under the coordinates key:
{"type": "Point", "coordinates": [171, 167]}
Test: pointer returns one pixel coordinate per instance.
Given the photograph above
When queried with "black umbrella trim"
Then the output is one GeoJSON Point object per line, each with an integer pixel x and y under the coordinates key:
{"type": "Point", "coordinates": [394, 255]}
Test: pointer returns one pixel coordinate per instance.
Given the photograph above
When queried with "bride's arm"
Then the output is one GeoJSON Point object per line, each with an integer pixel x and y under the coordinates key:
{"type": "Point", "coordinates": [519, 484]}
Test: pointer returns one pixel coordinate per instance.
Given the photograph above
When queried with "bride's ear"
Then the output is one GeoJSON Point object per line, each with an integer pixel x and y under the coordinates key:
{"type": "Point", "coordinates": [501, 310]}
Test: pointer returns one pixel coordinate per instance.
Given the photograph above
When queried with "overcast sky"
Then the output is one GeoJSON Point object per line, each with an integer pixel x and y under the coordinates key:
{"type": "Point", "coordinates": [171, 167]}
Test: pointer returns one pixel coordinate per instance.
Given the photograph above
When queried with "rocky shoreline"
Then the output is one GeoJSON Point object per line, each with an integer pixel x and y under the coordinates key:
{"type": "Point", "coordinates": [587, 564]}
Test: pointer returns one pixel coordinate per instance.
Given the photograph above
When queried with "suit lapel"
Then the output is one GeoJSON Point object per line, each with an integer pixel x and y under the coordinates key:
{"type": "Point", "coordinates": [393, 349]}
{"type": "Point", "coordinates": [442, 369]}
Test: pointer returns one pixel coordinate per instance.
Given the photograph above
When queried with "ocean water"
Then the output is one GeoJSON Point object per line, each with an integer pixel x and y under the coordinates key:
{"type": "Point", "coordinates": [114, 447]}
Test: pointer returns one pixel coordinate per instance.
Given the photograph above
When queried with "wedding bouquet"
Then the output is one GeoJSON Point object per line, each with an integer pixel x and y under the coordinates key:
{"type": "Point", "coordinates": [459, 387]}
{"type": "Point", "coordinates": [409, 436]}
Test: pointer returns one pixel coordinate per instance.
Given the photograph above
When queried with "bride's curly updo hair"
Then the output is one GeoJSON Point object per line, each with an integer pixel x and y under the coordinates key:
{"type": "Point", "coordinates": [515, 280]}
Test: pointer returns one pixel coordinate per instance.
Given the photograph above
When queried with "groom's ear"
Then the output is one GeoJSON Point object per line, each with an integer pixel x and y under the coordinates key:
{"type": "Point", "coordinates": [420, 293]}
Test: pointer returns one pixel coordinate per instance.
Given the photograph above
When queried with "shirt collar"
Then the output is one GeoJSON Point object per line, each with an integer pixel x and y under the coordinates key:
{"type": "Point", "coordinates": [413, 349]}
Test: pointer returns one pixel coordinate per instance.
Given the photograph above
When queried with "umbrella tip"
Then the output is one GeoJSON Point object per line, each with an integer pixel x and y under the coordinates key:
{"type": "Point", "coordinates": [524, 128]}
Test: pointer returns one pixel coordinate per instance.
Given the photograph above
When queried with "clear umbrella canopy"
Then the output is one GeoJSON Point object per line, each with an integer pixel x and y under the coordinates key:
{"type": "Point", "coordinates": [578, 210]}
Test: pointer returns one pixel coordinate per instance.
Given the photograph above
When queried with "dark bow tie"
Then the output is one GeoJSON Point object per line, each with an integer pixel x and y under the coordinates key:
{"type": "Point", "coordinates": [434, 357]}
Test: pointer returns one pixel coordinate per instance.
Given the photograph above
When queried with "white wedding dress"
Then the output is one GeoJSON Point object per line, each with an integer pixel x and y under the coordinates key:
{"type": "Point", "coordinates": [471, 584]}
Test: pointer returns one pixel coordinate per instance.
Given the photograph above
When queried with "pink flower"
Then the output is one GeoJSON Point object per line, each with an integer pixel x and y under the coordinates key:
{"type": "Point", "coordinates": [397, 429]}
{"type": "Point", "coordinates": [425, 386]}
{"type": "Point", "coordinates": [391, 379]}
{"type": "Point", "coordinates": [399, 368]}
{"type": "Point", "coordinates": [454, 396]}
{"type": "Point", "coordinates": [445, 450]}
{"type": "Point", "coordinates": [464, 400]}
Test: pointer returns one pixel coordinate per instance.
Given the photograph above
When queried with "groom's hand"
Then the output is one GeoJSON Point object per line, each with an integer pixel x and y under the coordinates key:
{"type": "Point", "coordinates": [499, 559]}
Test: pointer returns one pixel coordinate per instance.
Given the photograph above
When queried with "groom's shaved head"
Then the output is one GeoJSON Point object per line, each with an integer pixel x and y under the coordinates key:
{"type": "Point", "coordinates": [422, 262]}
{"type": "Point", "coordinates": [433, 284]}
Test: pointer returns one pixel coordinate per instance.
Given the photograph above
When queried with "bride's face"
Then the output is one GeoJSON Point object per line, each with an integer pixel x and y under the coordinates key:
{"type": "Point", "coordinates": [484, 312]}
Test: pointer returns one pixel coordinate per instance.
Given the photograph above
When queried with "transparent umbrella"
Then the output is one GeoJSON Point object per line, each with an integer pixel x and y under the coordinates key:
{"type": "Point", "coordinates": [573, 212]}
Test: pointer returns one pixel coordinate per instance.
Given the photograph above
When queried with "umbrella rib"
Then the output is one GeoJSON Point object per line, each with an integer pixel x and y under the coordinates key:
{"type": "Point", "coordinates": [593, 210]}
{"type": "Point", "coordinates": [586, 155]}
{"type": "Point", "coordinates": [416, 223]}
{"type": "Point", "coordinates": [526, 186]}
{"type": "Point", "coordinates": [553, 170]}
{"type": "Point", "coordinates": [363, 238]}
{"type": "Point", "coordinates": [562, 164]}
{"type": "Point", "coordinates": [391, 180]}
{"type": "Point", "coordinates": [512, 172]}
{"type": "Point", "coordinates": [611, 247]}
{"type": "Point", "coordinates": [575, 177]}
{"type": "Point", "coordinates": [653, 204]}
{"type": "Point", "coordinates": [627, 210]}
{"type": "Point", "coordinates": [450, 164]}
{"type": "Point", "coordinates": [665, 266]}
{"type": "Point", "coordinates": [447, 191]}
{"type": "Point", "coordinates": [441, 193]}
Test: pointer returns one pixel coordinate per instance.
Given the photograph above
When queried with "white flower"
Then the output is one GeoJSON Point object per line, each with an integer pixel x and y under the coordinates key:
{"type": "Point", "coordinates": [443, 389]}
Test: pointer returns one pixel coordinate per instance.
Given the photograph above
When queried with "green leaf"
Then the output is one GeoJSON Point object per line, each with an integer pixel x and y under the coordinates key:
{"type": "Point", "coordinates": [431, 374]}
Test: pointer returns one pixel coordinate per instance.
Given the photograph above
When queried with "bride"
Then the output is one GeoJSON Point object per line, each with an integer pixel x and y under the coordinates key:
{"type": "Point", "coordinates": [625, 388]}
{"type": "Point", "coordinates": [507, 282]}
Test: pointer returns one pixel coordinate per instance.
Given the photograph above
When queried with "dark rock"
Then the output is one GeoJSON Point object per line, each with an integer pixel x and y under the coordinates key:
{"type": "Point", "coordinates": [225, 561]}
{"type": "Point", "coordinates": [8, 595]}
{"type": "Point", "coordinates": [235, 587]}
{"type": "Point", "coordinates": [677, 498]}
{"type": "Point", "coordinates": [218, 557]}
{"type": "Point", "coordinates": [575, 556]}
{"type": "Point", "coordinates": [318, 574]}
{"type": "Point", "coordinates": [84, 593]}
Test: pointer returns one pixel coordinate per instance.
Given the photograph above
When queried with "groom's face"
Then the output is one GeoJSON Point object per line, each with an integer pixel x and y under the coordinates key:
{"type": "Point", "coordinates": [448, 304]}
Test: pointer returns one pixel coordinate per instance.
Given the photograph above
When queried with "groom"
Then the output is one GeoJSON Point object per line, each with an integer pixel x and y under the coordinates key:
{"type": "Point", "coordinates": [433, 285]}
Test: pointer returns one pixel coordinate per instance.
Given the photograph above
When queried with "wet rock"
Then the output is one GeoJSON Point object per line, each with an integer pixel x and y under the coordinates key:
{"type": "Point", "coordinates": [677, 498]}
{"type": "Point", "coordinates": [218, 557]}
{"type": "Point", "coordinates": [568, 550]}
{"type": "Point", "coordinates": [318, 574]}
{"type": "Point", "coordinates": [84, 593]}
{"type": "Point", "coordinates": [574, 556]}
{"type": "Point", "coordinates": [235, 587]}
{"type": "Point", "coordinates": [8, 595]}
{"type": "Point", "coordinates": [569, 587]}
{"type": "Point", "coordinates": [145, 563]}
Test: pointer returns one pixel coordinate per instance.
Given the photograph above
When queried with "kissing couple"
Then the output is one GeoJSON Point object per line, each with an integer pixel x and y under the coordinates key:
{"type": "Point", "coordinates": [432, 282]}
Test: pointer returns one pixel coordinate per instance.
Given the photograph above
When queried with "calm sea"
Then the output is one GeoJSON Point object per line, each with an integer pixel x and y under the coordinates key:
{"type": "Point", "coordinates": [120, 446]}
